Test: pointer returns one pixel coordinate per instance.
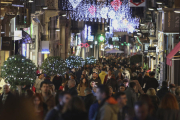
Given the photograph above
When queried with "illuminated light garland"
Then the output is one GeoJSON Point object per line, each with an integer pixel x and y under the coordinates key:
{"type": "Point", "coordinates": [75, 3]}
{"type": "Point", "coordinates": [116, 4]}
{"type": "Point", "coordinates": [90, 60]}
{"type": "Point", "coordinates": [118, 11]}
{"type": "Point", "coordinates": [74, 62]}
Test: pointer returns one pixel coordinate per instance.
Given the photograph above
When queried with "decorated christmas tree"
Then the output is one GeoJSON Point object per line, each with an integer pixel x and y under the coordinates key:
{"type": "Point", "coordinates": [90, 60]}
{"type": "Point", "coordinates": [53, 66]}
{"type": "Point", "coordinates": [18, 70]}
{"type": "Point", "coordinates": [74, 61]}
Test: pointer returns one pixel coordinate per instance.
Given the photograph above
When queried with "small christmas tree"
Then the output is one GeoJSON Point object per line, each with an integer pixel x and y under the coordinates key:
{"type": "Point", "coordinates": [18, 70]}
{"type": "Point", "coordinates": [53, 66]}
{"type": "Point", "coordinates": [90, 60]}
{"type": "Point", "coordinates": [74, 61]}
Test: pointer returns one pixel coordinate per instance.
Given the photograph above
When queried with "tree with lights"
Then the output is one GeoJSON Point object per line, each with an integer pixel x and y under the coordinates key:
{"type": "Point", "coordinates": [90, 60]}
{"type": "Point", "coordinates": [74, 61]}
{"type": "Point", "coordinates": [17, 70]}
{"type": "Point", "coordinates": [53, 66]}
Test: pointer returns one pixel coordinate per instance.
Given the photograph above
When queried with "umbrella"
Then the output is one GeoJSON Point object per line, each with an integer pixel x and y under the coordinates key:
{"type": "Point", "coordinates": [115, 51]}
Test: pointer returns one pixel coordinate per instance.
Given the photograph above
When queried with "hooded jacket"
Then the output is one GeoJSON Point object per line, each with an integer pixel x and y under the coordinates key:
{"type": "Point", "coordinates": [102, 76]}
{"type": "Point", "coordinates": [109, 111]}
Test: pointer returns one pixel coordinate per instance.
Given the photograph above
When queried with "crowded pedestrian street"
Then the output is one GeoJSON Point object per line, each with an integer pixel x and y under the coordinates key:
{"type": "Point", "coordinates": [89, 59]}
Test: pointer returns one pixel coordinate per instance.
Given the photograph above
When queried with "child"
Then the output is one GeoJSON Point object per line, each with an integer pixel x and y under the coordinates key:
{"type": "Point", "coordinates": [62, 87]}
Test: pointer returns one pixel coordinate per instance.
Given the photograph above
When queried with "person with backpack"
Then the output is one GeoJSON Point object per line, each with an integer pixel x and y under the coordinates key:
{"type": "Point", "coordinates": [55, 113]}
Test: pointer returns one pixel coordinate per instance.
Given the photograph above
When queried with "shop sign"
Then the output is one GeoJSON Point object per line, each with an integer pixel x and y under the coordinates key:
{"type": "Point", "coordinates": [45, 47]}
{"type": "Point", "coordinates": [146, 46]}
{"type": "Point", "coordinates": [84, 45]}
{"type": "Point", "coordinates": [151, 49]}
{"type": "Point", "coordinates": [18, 35]}
{"type": "Point", "coordinates": [7, 43]}
{"type": "Point", "coordinates": [171, 22]}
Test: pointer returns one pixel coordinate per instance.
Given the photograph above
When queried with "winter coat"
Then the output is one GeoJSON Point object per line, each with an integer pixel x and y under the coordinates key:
{"type": "Point", "coordinates": [109, 110]}
{"type": "Point", "coordinates": [89, 100]}
{"type": "Point", "coordinates": [50, 101]}
{"type": "Point", "coordinates": [93, 111]}
{"type": "Point", "coordinates": [54, 113]}
{"type": "Point", "coordinates": [151, 83]}
{"type": "Point", "coordinates": [162, 92]}
{"type": "Point", "coordinates": [80, 89]}
{"type": "Point", "coordinates": [168, 114]}
{"type": "Point", "coordinates": [111, 82]}
{"type": "Point", "coordinates": [75, 115]}
{"type": "Point", "coordinates": [57, 81]}
{"type": "Point", "coordinates": [131, 97]}
{"type": "Point", "coordinates": [138, 87]}
{"type": "Point", "coordinates": [73, 91]}
{"type": "Point", "coordinates": [102, 76]}
{"type": "Point", "coordinates": [144, 81]}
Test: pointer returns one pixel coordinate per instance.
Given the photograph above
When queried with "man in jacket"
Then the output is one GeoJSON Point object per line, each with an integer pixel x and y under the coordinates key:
{"type": "Point", "coordinates": [108, 109]}
{"type": "Point", "coordinates": [151, 82]}
{"type": "Point", "coordinates": [111, 81]}
{"type": "Point", "coordinates": [72, 88]}
{"type": "Point", "coordinates": [131, 94]}
{"type": "Point", "coordinates": [102, 75]}
{"type": "Point", "coordinates": [163, 91]}
{"type": "Point", "coordinates": [53, 114]}
{"type": "Point", "coordinates": [7, 95]}
{"type": "Point", "coordinates": [95, 79]}
{"type": "Point", "coordinates": [47, 98]}
{"type": "Point", "coordinates": [138, 86]}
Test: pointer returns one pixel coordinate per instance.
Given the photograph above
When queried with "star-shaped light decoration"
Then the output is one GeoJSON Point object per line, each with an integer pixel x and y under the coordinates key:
{"type": "Point", "coordinates": [104, 12]}
{"type": "Point", "coordinates": [92, 10]}
{"type": "Point", "coordinates": [116, 4]}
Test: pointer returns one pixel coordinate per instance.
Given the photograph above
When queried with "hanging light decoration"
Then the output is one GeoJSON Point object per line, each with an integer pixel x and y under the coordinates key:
{"type": "Point", "coordinates": [117, 11]}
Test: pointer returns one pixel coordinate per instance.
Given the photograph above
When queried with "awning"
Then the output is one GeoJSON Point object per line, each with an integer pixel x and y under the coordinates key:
{"type": "Point", "coordinates": [171, 54]}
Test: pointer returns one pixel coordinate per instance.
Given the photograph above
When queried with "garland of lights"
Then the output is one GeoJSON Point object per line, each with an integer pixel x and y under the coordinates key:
{"type": "Point", "coordinates": [74, 61]}
{"type": "Point", "coordinates": [53, 66]}
{"type": "Point", "coordinates": [18, 70]}
{"type": "Point", "coordinates": [117, 11]}
{"type": "Point", "coordinates": [90, 60]}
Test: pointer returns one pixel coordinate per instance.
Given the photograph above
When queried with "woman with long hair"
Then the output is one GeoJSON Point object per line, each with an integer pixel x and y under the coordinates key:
{"type": "Point", "coordinates": [154, 98]}
{"type": "Point", "coordinates": [75, 110]}
{"type": "Point", "coordinates": [168, 108]}
{"type": "Point", "coordinates": [40, 108]}
{"type": "Point", "coordinates": [82, 86]}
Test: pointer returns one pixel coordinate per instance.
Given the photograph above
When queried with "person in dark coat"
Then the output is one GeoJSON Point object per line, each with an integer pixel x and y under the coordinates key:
{"type": "Point", "coordinates": [144, 81]}
{"type": "Point", "coordinates": [131, 94]}
{"type": "Point", "coordinates": [75, 110]}
{"type": "Point", "coordinates": [163, 91]}
{"type": "Point", "coordinates": [140, 79]}
{"type": "Point", "coordinates": [111, 81]}
{"type": "Point", "coordinates": [93, 110]}
{"type": "Point", "coordinates": [6, 96]}
{"type": "Point", "coordinates": [72, 88]}
{"type": "Point", "coordinates": [53, 114]}
{"type": "Point", "coordinates": [57, 81]}
{"type": "Point", "coordinates": [151, 82]}
{"type": "Point", "coordinates": [89, 98]}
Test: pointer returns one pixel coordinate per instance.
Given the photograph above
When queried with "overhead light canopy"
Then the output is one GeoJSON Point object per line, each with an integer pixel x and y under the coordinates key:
{"type": "Point", "coordinates": [177, 10]}
{"type": "Point", "coordinates": [64, 15]}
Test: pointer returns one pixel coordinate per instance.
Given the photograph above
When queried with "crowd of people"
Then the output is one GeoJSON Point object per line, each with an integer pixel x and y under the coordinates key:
{"type": "Point", "coordinates": [94, 92]}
